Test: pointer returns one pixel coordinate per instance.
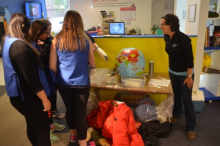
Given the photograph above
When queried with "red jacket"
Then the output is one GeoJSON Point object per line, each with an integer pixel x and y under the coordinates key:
{"type": "Point", "coordinates": [117, 122]}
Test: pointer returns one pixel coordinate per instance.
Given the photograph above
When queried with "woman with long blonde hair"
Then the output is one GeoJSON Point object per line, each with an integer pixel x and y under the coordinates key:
{"type": "Point", "coordinates": [70, 53]}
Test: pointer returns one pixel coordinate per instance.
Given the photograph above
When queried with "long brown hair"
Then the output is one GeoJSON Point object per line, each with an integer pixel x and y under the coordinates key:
{"type": "Point", "coordinates": [72, 34]}
{"type": "Point", "coordinates": [46, 21]}
{"type": "Point", "coordinates": [18, 27]}
{"type": "Point", "coordinates": [38, 27]}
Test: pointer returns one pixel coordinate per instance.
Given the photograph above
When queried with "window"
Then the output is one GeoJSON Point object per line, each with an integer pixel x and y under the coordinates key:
{"type": "Point", "coordinates": [56, 9]}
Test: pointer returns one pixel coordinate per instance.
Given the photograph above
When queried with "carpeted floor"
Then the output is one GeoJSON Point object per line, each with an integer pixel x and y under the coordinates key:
{"type": "Point", "coordinates": [207, 129]}
{"type": "Point", "coordinates": [13, 127]}
{"type": "Point", "coordinates": [2, 90]}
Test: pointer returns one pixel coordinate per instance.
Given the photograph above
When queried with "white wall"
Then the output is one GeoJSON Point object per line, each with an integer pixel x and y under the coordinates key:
{"type": "Point", "coordinates": [92, 17]}
{"type": "Point", "coordinates": [180, 5]}
{"type": "Point", "coordinates": [198, 27]}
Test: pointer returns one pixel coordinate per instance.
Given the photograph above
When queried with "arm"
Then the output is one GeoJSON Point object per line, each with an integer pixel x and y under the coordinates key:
{"type": "Point", "coordinates": [53, 57]}
{"type": "Point", "coordinates": [46, 103]}
{"type": "Point", "coordinates": [187, 48]}
{"type": "Point", "coordinates": [93, 41]}
{"type": "Point", "coordinates": [91, 56]}
{"type": "Point", "coordinates": [90, 37]}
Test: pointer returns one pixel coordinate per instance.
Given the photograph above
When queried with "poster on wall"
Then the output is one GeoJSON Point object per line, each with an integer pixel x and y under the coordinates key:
{"type": "Point", "coordinates": [192, 13]}
{"type": "Point", "coordinates": [128, 13]}
{"type": "Point", "coordinates": [159, 9]}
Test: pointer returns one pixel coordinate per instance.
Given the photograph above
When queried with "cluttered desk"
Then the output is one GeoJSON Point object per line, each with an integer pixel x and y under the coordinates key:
{"type": "Point", "coordinates": [157, 83]}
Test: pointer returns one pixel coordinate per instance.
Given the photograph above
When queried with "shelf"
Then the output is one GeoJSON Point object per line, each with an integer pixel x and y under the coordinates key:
{"type": "Point", "coordinates": [208, 95]}
{"type": "Point", "coordinates": [211, 48]}
{"type": "Point", "coordinates": [214, 18]}
{"type": "Point", "coordinates": [106, 19]}
{"type": "Point", "coordinates": [105, 24]}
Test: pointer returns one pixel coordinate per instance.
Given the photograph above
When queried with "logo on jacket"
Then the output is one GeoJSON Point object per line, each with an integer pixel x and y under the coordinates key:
{"type": "Point", "coordinates": [174, 45]}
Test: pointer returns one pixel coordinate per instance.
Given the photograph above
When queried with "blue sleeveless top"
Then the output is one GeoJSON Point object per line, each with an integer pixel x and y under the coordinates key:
{"type": "Point", "coordinates": [46, 74]}
{"type": "Point", "coordinates": [72, 67]}
{"type": "Point", "coordinates": [11, 80]}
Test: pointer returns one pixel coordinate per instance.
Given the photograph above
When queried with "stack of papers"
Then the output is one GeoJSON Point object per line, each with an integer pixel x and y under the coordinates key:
{"type": "Point", "coordinates": [158, 82]}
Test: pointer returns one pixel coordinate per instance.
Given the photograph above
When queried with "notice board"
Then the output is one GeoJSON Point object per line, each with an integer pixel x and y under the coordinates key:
{"type": "Point", "coordinates": [159, 9]}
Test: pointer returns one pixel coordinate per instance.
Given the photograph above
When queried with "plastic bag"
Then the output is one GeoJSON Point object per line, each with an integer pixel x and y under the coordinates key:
{"type": "Point", "coordinates": [147, 112]}
{"type": "Point", "coordinates": [92, 103]}
{"type": "Point", "coordinates": [165, 109]}
{"type": "Point", "coordinates": [207, 60]}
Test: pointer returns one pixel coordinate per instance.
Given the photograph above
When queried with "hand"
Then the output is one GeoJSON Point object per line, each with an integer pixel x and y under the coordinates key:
{"type": "Point", "coordinates": [92, 71]}
{"type": "Point", "coordinates": [47, 105]}
{"type": "Point", "coordinates": [94, 48]}
{"type": "Point", "coordinates": [40, 42]}
{"type": "Point", "coordinates": [189, 82]}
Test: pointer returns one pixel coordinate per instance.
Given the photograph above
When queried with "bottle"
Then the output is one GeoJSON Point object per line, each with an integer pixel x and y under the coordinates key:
{"type": "Point", "coordinates": [151, 67]}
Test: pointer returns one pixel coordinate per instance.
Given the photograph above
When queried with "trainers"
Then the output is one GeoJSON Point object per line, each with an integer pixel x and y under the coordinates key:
{"type": "Point", "coordinates": [174, 120]}
{"type": "Point", "coordinates": [57, 114]}
{"type": "Point", "coordinates": [91, 143]}
{"type": "Point", "coordinates": [73, 138]}
{"type": "Point", "coordinates": [54, 138]}
{"type": "Point", "coordinates": [56, 126]}
{"type": "Point", "coordinates": [191, 135]}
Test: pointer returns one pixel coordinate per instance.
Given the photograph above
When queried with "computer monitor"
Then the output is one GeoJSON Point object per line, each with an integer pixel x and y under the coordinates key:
{"type": "Point", "coordinates": [116, 28]}
{"type": "Point", "coordinates": [33, 10]}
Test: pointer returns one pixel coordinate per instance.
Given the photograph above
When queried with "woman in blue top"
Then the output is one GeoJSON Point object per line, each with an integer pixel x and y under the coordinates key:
{"type": "Point", "coordinates": [23, 84]}
{"type": "Point", "coordinates": [71, 50]}
{"type": "Point", "coordinates": [39, 33]}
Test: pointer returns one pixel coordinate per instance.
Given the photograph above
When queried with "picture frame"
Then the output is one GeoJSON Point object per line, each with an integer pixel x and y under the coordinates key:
{"type": "Point", "coordinates": [192, 13]}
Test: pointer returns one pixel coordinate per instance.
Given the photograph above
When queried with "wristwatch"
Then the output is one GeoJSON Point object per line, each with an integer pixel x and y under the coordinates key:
{"type": "Point", "coordinates": [92, 67]}
{"type": "Point", "coordinates": [189, 76]}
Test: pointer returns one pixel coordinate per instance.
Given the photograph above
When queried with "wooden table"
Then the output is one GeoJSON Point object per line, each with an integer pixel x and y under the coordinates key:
{"type": "Point", "coordinates": [147, 88]}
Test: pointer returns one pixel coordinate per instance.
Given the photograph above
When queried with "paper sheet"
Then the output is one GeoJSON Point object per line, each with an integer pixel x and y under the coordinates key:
{"type": "Point", "coordinates": [157, 82]}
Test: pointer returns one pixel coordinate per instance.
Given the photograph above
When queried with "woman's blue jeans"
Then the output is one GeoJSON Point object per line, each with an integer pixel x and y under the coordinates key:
{"type": "Point", "coordinates": [183, 95]}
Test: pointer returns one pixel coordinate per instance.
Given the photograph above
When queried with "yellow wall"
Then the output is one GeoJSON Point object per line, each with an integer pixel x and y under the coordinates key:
{"type": "Point", "coordinates": [152, 48]}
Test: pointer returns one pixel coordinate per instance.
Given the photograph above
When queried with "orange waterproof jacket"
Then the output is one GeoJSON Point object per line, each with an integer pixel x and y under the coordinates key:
{"type": "Point", "coordinates": [117, 122]}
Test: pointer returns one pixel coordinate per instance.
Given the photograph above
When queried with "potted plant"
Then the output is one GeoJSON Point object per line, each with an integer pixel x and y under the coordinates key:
{"type": "Point", "coordinates": [132, 31]}
{"type": "Point", "coordinates": [154, 29]}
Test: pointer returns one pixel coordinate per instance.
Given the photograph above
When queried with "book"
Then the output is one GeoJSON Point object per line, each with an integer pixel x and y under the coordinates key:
{"type": "Point", "coordinates": [112, 14]}
{"type": "Point", "coordinates": [207, 39]}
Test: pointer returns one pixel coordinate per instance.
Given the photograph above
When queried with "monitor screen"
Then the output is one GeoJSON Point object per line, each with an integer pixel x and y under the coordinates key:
{"type": "Point", "coordinates": [117, 28]}
{"type": "Point", "coordinates": [33, 10]}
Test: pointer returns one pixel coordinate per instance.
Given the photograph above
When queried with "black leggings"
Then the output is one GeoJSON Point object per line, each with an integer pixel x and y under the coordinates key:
{"type": "Point", "coordinates": [75, 100]}
{"type": "Point", "coordinates": [53, 102]}
{"type": "Point", "coordinates": [38, 127]}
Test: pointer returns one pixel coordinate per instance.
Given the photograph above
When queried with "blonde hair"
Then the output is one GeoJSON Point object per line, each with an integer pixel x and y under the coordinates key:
{"type": "Point", "coordinates": [72, 34]}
